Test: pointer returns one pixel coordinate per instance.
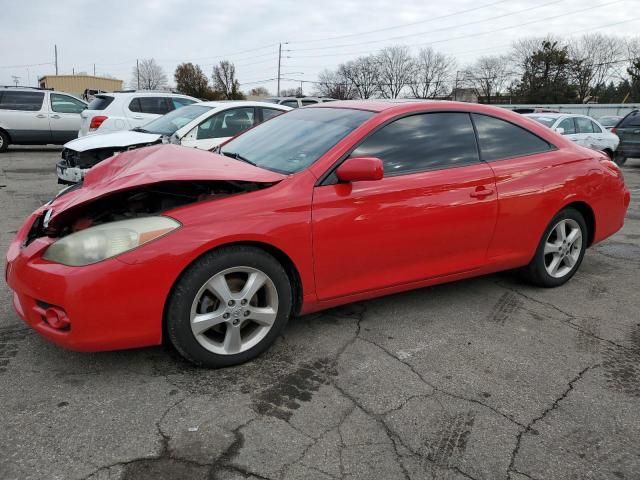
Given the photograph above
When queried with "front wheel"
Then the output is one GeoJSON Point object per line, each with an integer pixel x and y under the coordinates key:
{"type": "Point", "coordinates": [229, 306]}
{"type": "Point", "coordinates": [4, 141]}
{"type": "Point", "coordinates": [560, 251]}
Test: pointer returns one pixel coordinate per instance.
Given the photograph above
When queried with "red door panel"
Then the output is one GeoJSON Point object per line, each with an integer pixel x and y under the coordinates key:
{"type": "Point", "coordinates": [370, 235]}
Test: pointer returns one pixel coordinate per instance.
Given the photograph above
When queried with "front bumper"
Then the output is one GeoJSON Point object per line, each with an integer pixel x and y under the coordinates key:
{"type": "Point", "coordinates": [69, 175]}
{"type": "Point", "coordinates": [110, 305]}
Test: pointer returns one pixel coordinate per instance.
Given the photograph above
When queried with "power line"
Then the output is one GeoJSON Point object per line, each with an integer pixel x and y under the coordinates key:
{"type": "Point", "coordinates": [27, 65]}
{"type": "Point", "coordinates": [432, 19]}
{"type": "Point", "coordinates": [475, 22]}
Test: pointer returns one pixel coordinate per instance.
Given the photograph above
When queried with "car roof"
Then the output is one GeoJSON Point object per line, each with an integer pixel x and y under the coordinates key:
{"type": "Point", "coordinates": [143, 93]}
{"type": "Point", "coordinates": [247, 103]}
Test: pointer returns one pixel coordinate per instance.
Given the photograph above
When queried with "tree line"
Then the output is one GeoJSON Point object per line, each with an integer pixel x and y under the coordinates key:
{"type": "Point", "coordinates": [592, 68]}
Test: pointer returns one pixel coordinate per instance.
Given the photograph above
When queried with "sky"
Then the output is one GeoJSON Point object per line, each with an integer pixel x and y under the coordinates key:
{"type": "Point", "coordinates": [314, 35]}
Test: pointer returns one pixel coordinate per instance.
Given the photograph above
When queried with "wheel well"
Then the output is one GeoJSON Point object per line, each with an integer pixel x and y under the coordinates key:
{"type": "Point", "coordinates": [6, 133]}
{"type": "Point", "coordinates": [589, 218]}
{"type": "Point", "coordinates": [279, 255]}
{"type": "Point", "coordinates": [609, 152]}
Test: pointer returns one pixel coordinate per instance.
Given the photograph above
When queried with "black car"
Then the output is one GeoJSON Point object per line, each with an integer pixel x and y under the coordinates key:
{"type": "Point", "coordinates": [628, 130]}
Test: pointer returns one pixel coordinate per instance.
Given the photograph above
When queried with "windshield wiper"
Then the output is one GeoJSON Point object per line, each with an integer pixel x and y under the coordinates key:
{"type": "Point", "coordinates": [237, 156]}
{"type": "Point", "coordinates": [140, 129]}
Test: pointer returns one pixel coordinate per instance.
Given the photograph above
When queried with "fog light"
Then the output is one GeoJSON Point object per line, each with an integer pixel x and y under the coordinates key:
{"type": "Point", "coordinates": [56, 319]}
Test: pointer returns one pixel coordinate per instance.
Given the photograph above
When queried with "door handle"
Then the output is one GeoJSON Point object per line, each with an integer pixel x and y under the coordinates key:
{"type": "Point", "coordinates": [55, 116]}
{"type": "Point", "coordinates": [481, 192]}
{"type": "Point", "coordinates": [40, 115]}
{"type": "Point", "coordinates": [138, 118]}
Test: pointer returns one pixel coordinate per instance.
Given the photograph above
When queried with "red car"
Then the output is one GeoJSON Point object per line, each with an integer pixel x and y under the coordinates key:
{"type": "Point", "coordinates": [319, 207]}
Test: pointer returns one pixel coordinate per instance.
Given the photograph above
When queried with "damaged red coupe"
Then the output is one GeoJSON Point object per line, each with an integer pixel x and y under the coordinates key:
{"type": "Point", "coordinates": [318, 207]}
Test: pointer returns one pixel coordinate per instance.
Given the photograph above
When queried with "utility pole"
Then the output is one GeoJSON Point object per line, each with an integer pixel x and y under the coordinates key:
{"type": "Point", "coordinates": [138, 72]}
{"type": "Point", "coordinates": [55, 49]}
{"type": "Point", "coordinates": [15, 79]}
{"type": "Point", "coordinates": [94, 69]}
{"type": "Point", "coordinates": [279, 60]}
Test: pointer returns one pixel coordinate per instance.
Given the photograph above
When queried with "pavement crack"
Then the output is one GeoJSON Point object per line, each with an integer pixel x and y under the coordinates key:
{"type": "Point", "coordinates": [441, 390]}
{"type": "Point", "coordinates": [529, 427]}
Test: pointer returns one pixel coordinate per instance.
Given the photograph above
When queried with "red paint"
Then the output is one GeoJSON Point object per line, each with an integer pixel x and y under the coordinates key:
{"type": "Point", "coordinates": [360, 170]}
{"type": "Point", "coordinates": [348, 241]}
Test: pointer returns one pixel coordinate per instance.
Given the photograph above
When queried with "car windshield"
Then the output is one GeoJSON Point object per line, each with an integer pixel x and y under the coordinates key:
{"type": "Point", "coordinates": [293, 141]}
{"type": "Point", "coordinates": [172, 121]}
{"type": "Point", "coordinates": [543, 119]}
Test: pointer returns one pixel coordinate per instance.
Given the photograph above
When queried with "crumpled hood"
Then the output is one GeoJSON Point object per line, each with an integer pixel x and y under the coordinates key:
{"type": "Point", "coordinates": [121, 139]}
{"type": "Point", "coordinates": [155, 164]}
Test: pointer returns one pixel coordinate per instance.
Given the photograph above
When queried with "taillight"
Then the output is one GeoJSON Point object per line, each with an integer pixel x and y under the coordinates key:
{"type": "Point", "coordinates": [96, 122]}
{"type": "Point", "coordinates": [613, 130]}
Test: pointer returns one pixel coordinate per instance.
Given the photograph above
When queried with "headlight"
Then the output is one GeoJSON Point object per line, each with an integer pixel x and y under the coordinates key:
{"type": "Point", "coordinates": [108, 240]}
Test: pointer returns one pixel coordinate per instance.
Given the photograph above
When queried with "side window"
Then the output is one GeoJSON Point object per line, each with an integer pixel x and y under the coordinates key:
{"type": "Point", "coordinates": [422, 142]}
{"type": "Point", "coordinates": [226, 124]}
{"type": "Point", "coordinates": [180, 102]}
{"type": "Point", "coordinates": [309, 102]}
{"type": "Point", "coordinates": [568, 125]}
{"type": "Point", "coordinates": [596, 128]}
{"type": "Point", "coordinates": [631, 120]}
{"type": "Point", "coordinates": [499, 139]}
{"type": "Point", "coordinates": [268, 113]}
{"type": "Point", "coordinates": [66, 104]}
{"type": "Point", "coordinates": [290, 103]}
{"type": "Point", "coordinates": [155, 105]}
{"type": "Point", "coordinates": [584, 125]}
{"type": "Point", "coordinates": [25, 101]}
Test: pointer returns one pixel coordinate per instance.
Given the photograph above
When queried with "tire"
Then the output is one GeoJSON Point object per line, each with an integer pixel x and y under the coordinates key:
{"type": "Point", "coordinates": [4, 141]}
{"type": "Point", "coordinates": [619, 159]}
{"type": "Point", "coordinates": [213, 325]}
{"type": "Point", "coordinates": [540, 270]}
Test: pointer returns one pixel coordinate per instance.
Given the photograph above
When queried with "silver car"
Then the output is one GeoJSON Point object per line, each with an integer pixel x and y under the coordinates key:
{"type": "Point", "coordinates": [34, 116]}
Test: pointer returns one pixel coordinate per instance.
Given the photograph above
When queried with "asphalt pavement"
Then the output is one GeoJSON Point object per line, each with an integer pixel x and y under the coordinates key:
{"type": "Point", "coordinates": [487, 378]}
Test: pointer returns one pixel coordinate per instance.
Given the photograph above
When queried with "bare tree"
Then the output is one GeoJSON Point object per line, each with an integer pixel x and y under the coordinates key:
{"type": "Point", "coordinates": [225, 82]}
{"type": "Point", "coordinates": [432, 74]}
{"type": "Point", "coordinates": [190, 80]}
{"type": "Point", "coordinates": [594, 56]}
{"type": "Point", "coordinates": [148, 75]}
{"type": "Point", "coordinates": [334, 84]}
{"type": "Point", "coordinates": [396, 69]}
{"type": "Point", "coordinates": [488, 76]}
{"type": "Point", "coordinates": [364, 75]}
{"type": "Point", "coordinates": [259, 92]}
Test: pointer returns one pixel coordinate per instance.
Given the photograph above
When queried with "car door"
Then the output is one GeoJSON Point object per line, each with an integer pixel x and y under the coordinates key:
{"type": "Point", "coordinates": [220, 127]}
{"type": "Point", "coordinates": [431, 215]}
{"type": "Point", "coordinates": [569, 126]}
{"type": "Point", "coordinates": [585, 134]}
{"type": "Point", "coordinates": [143, 109]}
{"type": "Point", "coordinates": [25, 116]}
{"type": "Point", "coordinates": [628, 130]}
{"type": "Point", "coordinates": [64, 117]}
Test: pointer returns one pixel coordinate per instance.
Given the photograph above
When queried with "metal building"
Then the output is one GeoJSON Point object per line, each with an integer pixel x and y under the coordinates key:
{"type": "Point", "coordinates": [78, 84]}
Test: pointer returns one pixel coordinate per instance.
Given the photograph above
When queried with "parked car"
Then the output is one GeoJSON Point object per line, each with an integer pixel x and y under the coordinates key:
{"type": "Point", "coordinates": [112, 112]}
{"type": "Point", "coordinates": [200, 125]}
{"type": "Point", "coordinates": [297, 102]}
{"type": "Point", "coordinates": [34, 116]}
{"type": "Point", "coordinates": [322, 206]}
{"type": "Point", "coordinates": [609, 121]}
{"type": "Point", "coordinates": [628, 131]}
{"type": "Point", "coordinates": [581, 129]}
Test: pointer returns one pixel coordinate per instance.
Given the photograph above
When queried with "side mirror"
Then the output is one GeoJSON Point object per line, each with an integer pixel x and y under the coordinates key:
{"type": "Point", "coordinates": [360, 169]}
{"type": "Point", "coordinates": [559, 130]}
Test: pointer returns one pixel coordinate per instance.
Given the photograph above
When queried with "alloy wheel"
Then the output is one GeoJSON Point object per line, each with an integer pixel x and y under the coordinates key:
{"type": "Point", "coordinates": [562, 248]}
{"type": "Point", "coordinates": [234, 310]}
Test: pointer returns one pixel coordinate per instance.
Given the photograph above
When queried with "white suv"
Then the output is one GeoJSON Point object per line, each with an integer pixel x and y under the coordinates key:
{"type": "Point", "coordinates": [34, 116]}
{"type": "Point", "coordinates": [112, 112]}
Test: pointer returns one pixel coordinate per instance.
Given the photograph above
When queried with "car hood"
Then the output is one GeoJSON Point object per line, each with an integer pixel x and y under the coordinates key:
{"type": "Point", "coordinates": [116, 139]}
{"type": "Point", "coordinates": [156, 164]}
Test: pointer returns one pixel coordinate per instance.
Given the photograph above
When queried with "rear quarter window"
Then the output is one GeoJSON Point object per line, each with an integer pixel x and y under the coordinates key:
{"type": "Point", "coordinates": [100, 102]}
{"type": "Point", "coordinates": [25, 101]}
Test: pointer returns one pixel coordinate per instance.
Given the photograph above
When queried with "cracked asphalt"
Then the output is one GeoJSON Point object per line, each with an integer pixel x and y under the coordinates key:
{"type": "Point", "coordinates": [481, 379]}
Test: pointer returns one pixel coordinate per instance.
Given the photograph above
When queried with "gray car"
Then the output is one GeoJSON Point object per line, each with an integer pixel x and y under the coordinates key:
{"type": "Point", "coordinates": [35, 116]}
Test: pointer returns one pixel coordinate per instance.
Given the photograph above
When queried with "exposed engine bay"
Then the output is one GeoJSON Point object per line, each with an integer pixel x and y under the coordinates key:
{"type": "Point", "coordinates": [147, 200]}
{"type": "Point", "coordinates": [90, 158]}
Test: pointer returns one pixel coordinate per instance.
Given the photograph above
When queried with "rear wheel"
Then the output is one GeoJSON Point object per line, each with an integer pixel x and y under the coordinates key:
{"type": "Point", "coordinates": [560, 251]}
{"type": "Point", "coordinates": [4, 141]}
{"type": "Point", "coordinates": [229, 306]}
